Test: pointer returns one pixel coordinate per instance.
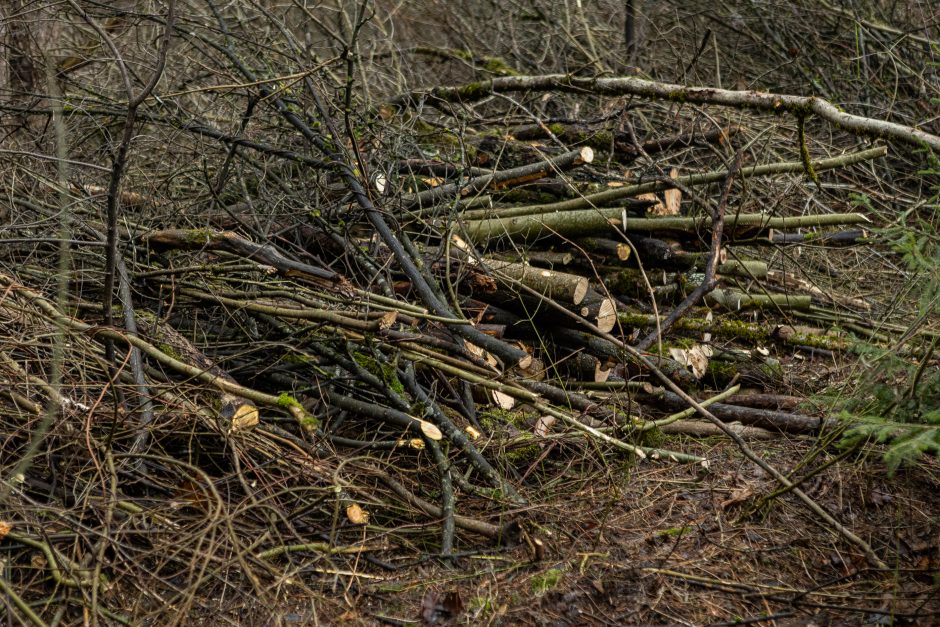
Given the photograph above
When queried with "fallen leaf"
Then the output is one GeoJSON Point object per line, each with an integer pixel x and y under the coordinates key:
{"type": "Point", "coordinates": [357, 515]}
{"type": "Point", "coordinates": [245, 416]}
{"type": "Point", "coordinates": [543, 426]}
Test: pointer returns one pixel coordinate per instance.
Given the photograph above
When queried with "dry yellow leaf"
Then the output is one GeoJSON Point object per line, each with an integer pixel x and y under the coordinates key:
{"type": "Point", "coordinates": [245, 416]}
{"type": "Point", "coordinates": [357, 515]}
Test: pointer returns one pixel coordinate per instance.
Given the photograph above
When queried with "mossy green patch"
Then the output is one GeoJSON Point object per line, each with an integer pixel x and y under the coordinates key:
{"type": "Point", "coordinates": [287, 401]}
{"type": "Point", "coordinates": [383, 371]}
{"type": "Point", "coordinates": [498, 66]}
{"type": "Point", "coordinates": [672, 532]}
{"type": "Point", "coordinates": [169, 350]}
{"type": "Point", "coordinates": [494, 418]}
{"type": "Point", "coordinates": [522, 453]}
{"type": "Point", "coordinates": [547, 581]}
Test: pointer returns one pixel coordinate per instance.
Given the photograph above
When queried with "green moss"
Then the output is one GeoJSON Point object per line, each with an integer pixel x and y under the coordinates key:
{"type": "Point", "coordinates": [677, 96]}
{"type": "Point", "coordinates": [719, 373]}
{"type": "Point", "coordinates": [654, 438]}
{"type": "Point", "coordinates": [808, 168]}
{"type": "Point", "coordinates": [772, 369]}
{"type": "Point", "coordinates": [724, 327]}
{"type": "Point", "coordinates": [732, 327]}
{"type": "Point", "coordinates": [309, 422]}
{"type": "Point", "coordinates": [287, 401]}
{"type": "Point", "coordinates": [461, 53]}
{"type": "Point", "coordinates": [494, 418]}
{"type": "Point", "coordinates": [499, 67]}
{"type": "Point", "coordinates": [199, 237]}
{"type": "Point", "coordinates": [827, 342]}
{"type": "Point", "coordinates": [672, 532]}
{"type": "Point", "coordinates": [383, 371]}
{"type": "Point", "coordinates": [475, 91]}
{"type": "Point", "coordinates": [167, 349]}
{"type": "Point", "coordinates": [520, 454]}
{"type": "Point", "coordinates": [295, 358]}
{"type": "Point", "coordinates": [546, 581]}
{"type": "Point", "coordinates": [683, 343]}
{"type": "Point", "coordinates": [482, 604]}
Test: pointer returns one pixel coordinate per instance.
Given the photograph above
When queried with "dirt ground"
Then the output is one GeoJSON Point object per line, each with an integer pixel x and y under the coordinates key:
{"type": "Point", "coordinates": [659, 544]}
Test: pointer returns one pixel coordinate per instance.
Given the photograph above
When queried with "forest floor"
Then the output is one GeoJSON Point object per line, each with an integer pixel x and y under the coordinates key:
{"type": "Point", "coordinates": [245, 373]}
{"type": "Point", "coordinates": [657, 544]}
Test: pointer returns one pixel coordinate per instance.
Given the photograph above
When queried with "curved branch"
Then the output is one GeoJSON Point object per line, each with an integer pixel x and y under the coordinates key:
{"type": "Point", "coordinates": [631, 86]}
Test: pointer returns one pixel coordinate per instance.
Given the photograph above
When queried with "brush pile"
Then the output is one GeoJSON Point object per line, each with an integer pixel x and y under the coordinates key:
{"type": "Point", "coordinates": [294, 328]}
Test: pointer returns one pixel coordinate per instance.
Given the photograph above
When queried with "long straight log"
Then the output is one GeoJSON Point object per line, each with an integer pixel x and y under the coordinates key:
{"type": "Point", "coordinates": [767, 419]}
{"type": "Point", "coordinates": [734, 300]}
{"type": "Point", "coordinates": [606, 197]}
{"type": "Point", "coordinates": [839, 238]}
{"type": "Point", "coordinates": [590, 221]}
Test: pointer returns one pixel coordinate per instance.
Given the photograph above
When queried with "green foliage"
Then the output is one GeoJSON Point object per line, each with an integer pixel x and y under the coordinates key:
{"type": "Point", "coordinates": [907, 442]}
{"type": "Point", "coordinates": [916, 239]}
{"type": "Point", "coordinates": [900, 405]}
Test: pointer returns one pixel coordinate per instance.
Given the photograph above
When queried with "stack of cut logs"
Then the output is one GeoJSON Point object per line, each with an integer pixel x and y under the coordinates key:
{"type": "Point", "coordinates": [605, 247]}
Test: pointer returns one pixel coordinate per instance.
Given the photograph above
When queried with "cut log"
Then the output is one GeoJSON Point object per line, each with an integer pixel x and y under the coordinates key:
{"type": "Point", "coordinates": [658, 253]}
{"type": "Point", "coordinates": [583, 367]}
{"type": "Point", "coordinates": [541, 258]}
{"type": "Point", "coordinates": [559, 286]}
{"type": "Point", "coordinates": [839, 238]}
{"type": "Point", "coordinates": [626, 368]}
{"type": "Point", "coordinates": [608, 247]}
{"type": "Point", "coordinates": [672, 198]}
{"type": "Point", "coordinates": [599, 310]}
{"type": "Point", "coordinates": [733, 300]}
{"type": "Point", "coordinates": [746, 268]}
{"type": "Point", "coordinates": [593, 221]}
{"type": "Point", "coordinates": [774, 420]}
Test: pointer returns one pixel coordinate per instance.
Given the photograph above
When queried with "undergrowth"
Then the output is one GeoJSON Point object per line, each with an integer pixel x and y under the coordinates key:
{"type": "Point", "coordinates": [902, 404]}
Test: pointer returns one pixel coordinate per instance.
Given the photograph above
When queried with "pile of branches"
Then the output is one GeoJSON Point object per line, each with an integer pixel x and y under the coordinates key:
{"type": "Point", "coordinates": [242, 352]}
